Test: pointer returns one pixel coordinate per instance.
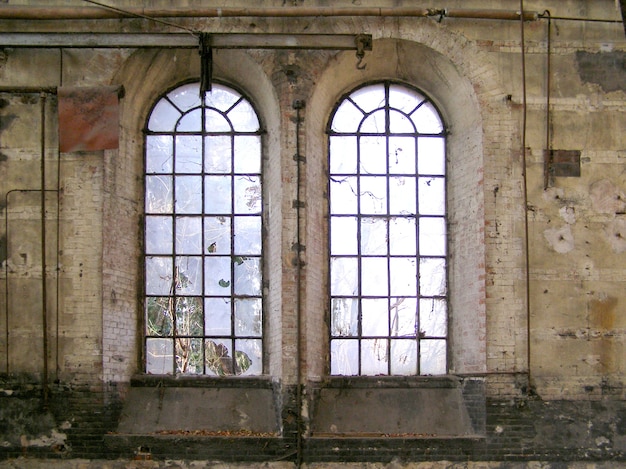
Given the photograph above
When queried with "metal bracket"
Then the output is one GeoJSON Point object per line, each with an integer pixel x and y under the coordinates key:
{"type": "Point", "coordinates": [206, 64]}
{"type": "Point", "coordinates": [363, 42]}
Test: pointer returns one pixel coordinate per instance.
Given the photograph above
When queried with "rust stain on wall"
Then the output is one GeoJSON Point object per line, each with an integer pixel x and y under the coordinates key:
{"type": "Point", "coordinates": [602, 312]}
{"type": "Point", "coordinates": [602, 318]}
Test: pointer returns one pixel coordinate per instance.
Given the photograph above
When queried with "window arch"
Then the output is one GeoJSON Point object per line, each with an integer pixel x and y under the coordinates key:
{"type": "Point", "coordinates": [203, 223]}
{"type": "Point", "coordinates": [388, 240]}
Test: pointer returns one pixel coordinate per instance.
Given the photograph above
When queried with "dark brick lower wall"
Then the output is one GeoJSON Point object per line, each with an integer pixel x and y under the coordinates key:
{"type": "Point", "coordinates": [80, 423]}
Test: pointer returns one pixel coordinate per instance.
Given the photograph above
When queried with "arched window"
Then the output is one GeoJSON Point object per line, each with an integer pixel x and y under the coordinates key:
{"type": "Point", "coordinates": [388, 242]}
{"type": "Point", "coordinates": [203, 243]}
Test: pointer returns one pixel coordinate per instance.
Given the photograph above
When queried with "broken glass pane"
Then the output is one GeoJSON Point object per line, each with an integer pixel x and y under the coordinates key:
{"type": "Point", "coordinates": [347, 118]}
{"type": "Point", "coordinates": [217, 316]}
{"type": "Point", "coordinates": [248, 358]}
{"type": "Point", "coordinates": [403, 98]}
{"type": "Point", "coordinates": [402, 155]}
{"type": "Point", "coordinates": [402, 236]}
{"type": "Point", "coordinates": [159, 315]}
{"type": "Point", "coordinates": [403, 271]}
{"type": "Point", "coordinates": [217, 154]}
{"type": "Point", "coordinates": [247, 275]}
{"type": "Point", "coordinates": [374, 276]}
{"type": "Point", "coordinates": [369, 97]}
{"type": "Point", "coordinates": [247, 154]}
{"type": "Point", "coordinates": [374, 123]}
{"type": "Point", "coordinates": [427, 119]}
{"type": "Point", "coordinates": [373, 155]}
{"type": "Point", "coordinates": [215, 122]}
{"type": "Point", "coordinates": [189, 356]}
{"type": "Point", "coordinates": [159, 194]}
{"type": "Point", "coordinates": [433, 317]}
{"type": "Point", "coordinates": [189, 279]}
{"type": "Point", "coordinates": [344, 317]}
{"type": "Point", "coordinates": [343, 155]}
{"type": "Point", "coordinates": [403, 357]}
{"type": "Point", "coordinates": [217, 276]}
{"type": "Point", "coordinates": [217, 194]}
{"type": "Point", "coordinates": [217, 235]}
{"type": "Point", "coordinates": [247, 194]}
{"type": "Point", "coordinates": [243, 117]}
{"type": "Point", "coordinates": [374, 357]}
{"type": "Point", "coordinates": [344, 276]}
{"type": "Point", "coordinates": [399, 123]}
{"type": "Point", "coordinates": [433, 357]}
{"type": "Point", "coordinates": [432, 236]}
{"type": "Point", "coordinates": [159, 276]}
{"type": "Point", "coordinates": [247, 235]}
{"type": "Point", "coordinates": [220, 97]}
{"type": "Point", "coordinates": [373, 195]}
{"type": "Point", "coordinates": [159, 356]}
{"type": "Point", "coordinates": [431, 156]}
{"type": "Point", "coordinates": [185, 97]}
{"type": "Point", "coordinates": [163, 117]}
{"type": "Point", "coordinates": [217, 355]}
{"type": "Point", "coordinates": [373, 236]}
{"type": "Point", "coordinates": [248, 317]}
{"type": "Point", "coordinates": [343, 192]}
{"type": "Point", "coordinates": [402, 195]}
{"type": "Point", "coordinates": [188, 235]}
{"type": "Point", "coordinates": [189, 316]}
{"type": "Point", "coordinates": [403, 317]}
{"type": "Point", "coordinates": [188, 194]}
{"type": "Point", "coordinates": [188, 154]}
{"type": "Point", "coordinates": [158, 235]}
{"type": "Point", "coordinates": [190, 122]}
{"type": "Point", "coordinates": [344, 357]}
{"type": "Point", "coordinates": [374, 317]}
{"type": "Point", "coordinates": [432, 277]}
{"type": "Point", "coordinates": [343, 238]}
{"type": "Point", "coordinates": [159, 151]}
{"type": "Point", "coordinates": [432, 196]}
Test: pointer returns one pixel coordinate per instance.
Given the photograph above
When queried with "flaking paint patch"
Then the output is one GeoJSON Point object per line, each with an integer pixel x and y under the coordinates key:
{"type": "Point", "coordinates": [560, 239]}
{"type": "Point", "coordinates": [606, 197]}
{"type": "Point", "coordinates": [616, 234]}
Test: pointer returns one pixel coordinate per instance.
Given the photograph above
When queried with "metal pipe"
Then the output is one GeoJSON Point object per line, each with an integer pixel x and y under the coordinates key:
{"type": "Point", "coordinates": [547, 157]}
{"type": "Point", "coordinates": [44, 286]}
{"type": "Point", "coordinates": [15, 12]}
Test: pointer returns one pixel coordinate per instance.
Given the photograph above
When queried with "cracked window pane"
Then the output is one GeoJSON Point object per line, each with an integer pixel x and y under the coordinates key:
{"type": "Point", "coordinates": [159, 154]}
{"type": "Point", "coordinates": [159, 356]}
{"type": "Point", "coordinates": [217, 154]}
{"type": "Point", "coordinates": [158, 235]}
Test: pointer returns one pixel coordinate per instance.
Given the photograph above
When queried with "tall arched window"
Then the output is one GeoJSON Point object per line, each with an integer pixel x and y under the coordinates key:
{"type": "Point", "coordinates": [388, 243]}
{"type": "Point", "coordinates": [203, 243]}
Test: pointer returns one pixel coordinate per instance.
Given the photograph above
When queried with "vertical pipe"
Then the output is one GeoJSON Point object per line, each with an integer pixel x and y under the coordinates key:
{"type": "Point", "coordinates": [525, 192]}
{"type": "Point", "coordinates": [547, 158]}
{"type": "Point", "coordinates": [44, 290]}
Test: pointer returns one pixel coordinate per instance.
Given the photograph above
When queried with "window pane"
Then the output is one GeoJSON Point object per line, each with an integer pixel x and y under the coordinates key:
{"type": "Point", "coordinates": [374, 236]}
{"type": "Point", "coordinates": [217, 276]}
{"type": "Point", "coordinates": [432, 277]}
{"type": "Point", "coordinates": [403, 272]}
{"type": "Point", "coordinates": [188, 154]}
{"type": "Point", "coordinates": [432, 196]}
{"type": "Point", "coordinates": [373, 155]}
{"type": "Point", "coordinates": [188, 235]}
{"type": "Point", "coordinates": [244, 117]}
{"type": "Point", "coordinates": [433, 357]}
{"type": "Point", "coordinates": [374, 123]}
{"type": "Point", "coordinates": [247, 276]}
{"type": "Point", "coordinates": [217, 235]}
{"type": "Point", "coordinates": [403, 317]}
{"type": "Point", "coordinates": [220, 97]}
{"type": "Point", "coordinates": [164, 117]}
{"type": "Point", "coordinates": [343, 155]}
{"type": "Point", "coordinates": [375, 317]}
{"type": "Point", "coordinates": [158, 235]}
{"type": "Point", "coordinates": [344, 317]}
{"type": "Point", "coordinates": [217, 154]}
{"type": "Point", "coordinates": [159, 356]}
{"type": "Point", "coordinates": [347, 118]}
{"type": "Point", "coordinates": [402, 236]}
{"type": "Point", "coordinates": [248, 154]}
{"type": "Point", "coordinates": [188, 194]}
{"type": "Point", "coordinates": [343, 198]}
{"type": "Point", "coordinates": [373, 195]}
{"type": "Point", "coordinates": [374, 357]}
{"type": "Point", "coordinates": [185, 97]}
{"type": "Point", "coordinates": [403, 357]}
{"type": "Point", "coordinates": [189, 356]}
{"type": "Point", "coordinates": [432, 236]}
{"type": "Point", "coordinates": [190, 122]}
{"type": "Point", "coordinates": [247, 194]}
{"type": "Point", "coordinates": [403, 98]}
{"type": "Point", "coordinates": [215, 121]}
{"type": "Point", "coordinates": [159, 154]}
{"type": "Point", "coordinates": [402, 195]}
{"type": "Point", "coordinates": [344, 276]}
{"type": "Point", "coordinates": [248, 317]}
{"type": "Point", "coordinates": [402, 155]}
{"type": "Point", "coordinates": [189, 316]}
{"type": "Point", "coordinates": [248, 235]}
{"type": "Point", "coordinates": [343, 235]}
{"type": "Point", "coordinates": [159, 276]}
{"type": "Point", "coordinates": [433, 317]}
{"type": "Point", "coordinates": [189, 275]}
{"type": "Point", "coordinates": [217, 356]}
{"type": "Point", "coordinates": [369, 97]}
{"type": "Point", "coordinates": [427, 119]}
{"type": "Point", "coordinates": [217, 316]}
{"type": "Point", "coordinates": [344, 357]}
{"type": "Point", "coordinates": [248, 358]}
{"type": "Point", "coordinates": [159, 316]}
{"type": "Point", "coordinates": [400, 124]}
{"type": "Point", "coordinates": [217, 195]}
{"type": "Point", "coordinates": [374, 276]}
{"type": "Point", "coordinates": [159, 194]}
{"type": "Point", "coordinates": [431, 156]}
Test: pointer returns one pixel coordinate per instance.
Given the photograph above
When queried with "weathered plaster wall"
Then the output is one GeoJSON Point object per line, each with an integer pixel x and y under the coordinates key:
{"type": "Point", "coordinates": [537, 273]}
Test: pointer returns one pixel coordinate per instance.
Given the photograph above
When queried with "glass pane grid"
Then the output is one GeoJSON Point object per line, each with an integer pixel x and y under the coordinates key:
{"type": "Point", "coordinates": [387, 235]}
{"type": "Point", "coordinates": [203, 236]}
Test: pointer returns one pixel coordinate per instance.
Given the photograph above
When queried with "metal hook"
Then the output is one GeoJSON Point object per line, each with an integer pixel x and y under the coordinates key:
{"type": "Point", "coordinates": [363, 43]}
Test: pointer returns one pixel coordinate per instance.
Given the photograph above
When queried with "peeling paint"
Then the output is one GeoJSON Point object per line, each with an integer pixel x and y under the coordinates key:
{"type": "Point", "coordinates": [568, 214]}
{"type": "Point", "coordinates": [560, 239]}
{"type": "Point", "coordinates": [606, 197]}
{"type": "Point", "coordinates": [616, 234]}
{"type": "Point", "coordinates": [606, 69]}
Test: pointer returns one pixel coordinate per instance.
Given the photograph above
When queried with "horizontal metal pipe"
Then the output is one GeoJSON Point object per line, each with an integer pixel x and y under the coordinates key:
{"type": "Point", "coordinates": [15, 12]}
